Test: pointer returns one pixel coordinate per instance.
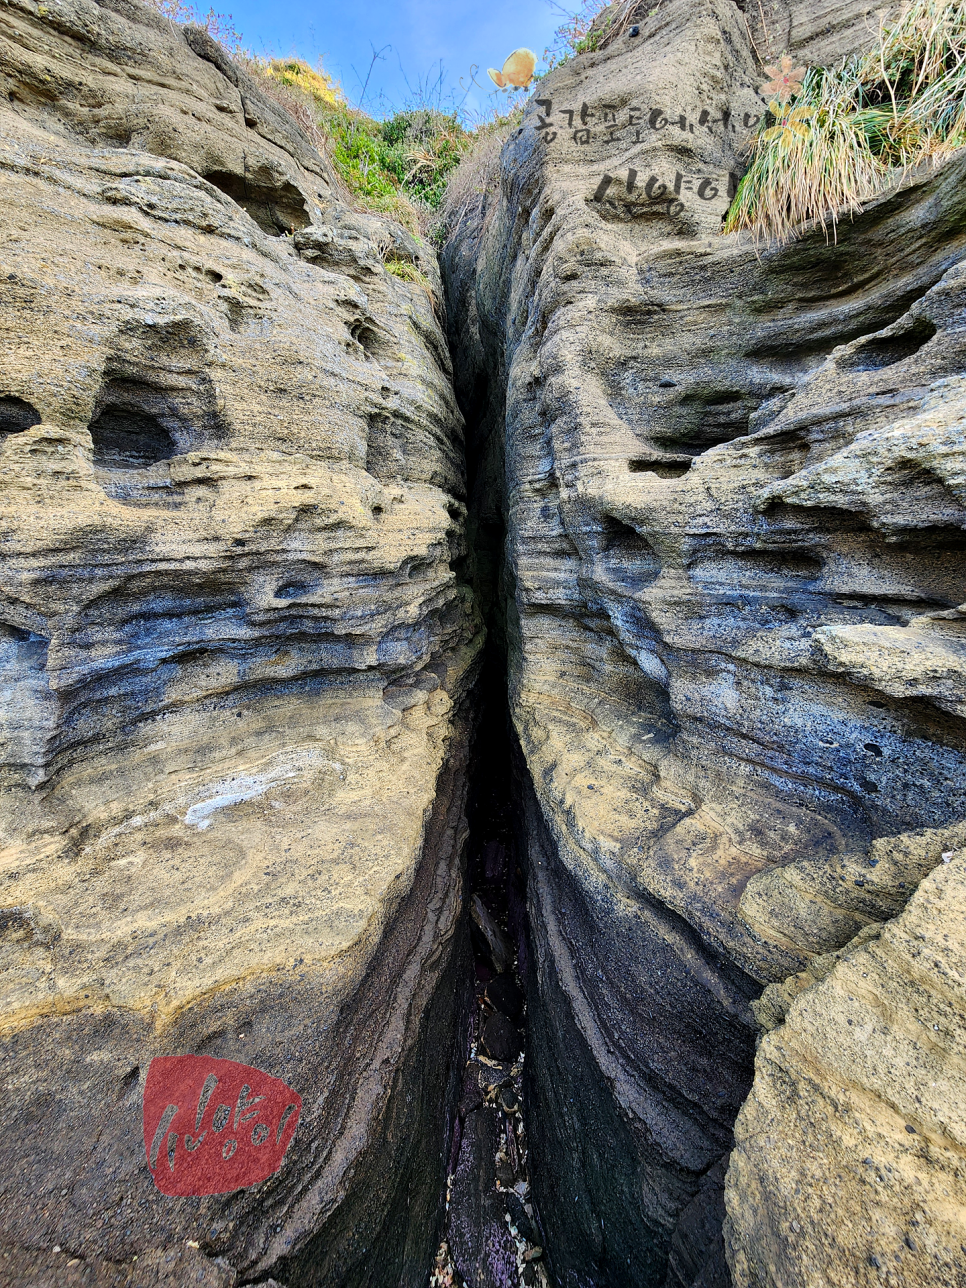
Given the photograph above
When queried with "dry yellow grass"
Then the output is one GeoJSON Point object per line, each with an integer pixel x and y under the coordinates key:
{"type": "Point", "coordinates": [859, 126]}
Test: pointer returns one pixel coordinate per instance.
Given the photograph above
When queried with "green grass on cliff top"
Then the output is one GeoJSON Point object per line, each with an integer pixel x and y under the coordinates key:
{"type": "Point", "coordinates": [398, 167]}
{"type": "Point", "coordinates": [843, 136]}
{"type": "Point", "coordinates": [401, 166]}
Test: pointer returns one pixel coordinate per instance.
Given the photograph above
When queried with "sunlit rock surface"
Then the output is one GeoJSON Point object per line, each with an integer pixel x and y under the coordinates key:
{"type": "Point", "coordinates": [734, 489]}
{"type": "Point", "coordinates": [848, 1166]}
{"type": "Point", "coordinates": [233, 664]}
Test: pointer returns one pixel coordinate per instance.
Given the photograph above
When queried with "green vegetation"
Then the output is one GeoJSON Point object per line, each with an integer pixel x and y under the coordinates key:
{"type": "Point", "coordinates": [398, 167]}
{"type": "Point", "coordinates": [856, 128]}
{"type": "Point", "coordinates": [477, 175]}
{"type": "Point", "coordinates": [581, 33]}
{"type": "Point", "coordinates": [594, 26]}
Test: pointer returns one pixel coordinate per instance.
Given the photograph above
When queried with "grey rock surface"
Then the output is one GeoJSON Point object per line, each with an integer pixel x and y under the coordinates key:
{"type": "Point", "coordinates": [732, 482]}
{"type": "Point", "coordinates": [234, 661]}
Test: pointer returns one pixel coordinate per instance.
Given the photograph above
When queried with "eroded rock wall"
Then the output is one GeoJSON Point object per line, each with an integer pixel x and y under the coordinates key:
{"type": "Point", "coordinates": [736, 517]}
{"type": "Point", "coordinates": [848, 1166]}
{"type": "Point", "coordinates": [234, 659]}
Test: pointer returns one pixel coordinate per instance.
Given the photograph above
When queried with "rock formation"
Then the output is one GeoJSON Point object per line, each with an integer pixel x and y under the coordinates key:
{"type": "Point", "coordinates": [235, 660]}
{"type": "Point", "coordinates": [733, 479]}
{"type": "Point", "coordinates": [848, 1166]}
{"type": "Point", "coordinates": [714, 515]}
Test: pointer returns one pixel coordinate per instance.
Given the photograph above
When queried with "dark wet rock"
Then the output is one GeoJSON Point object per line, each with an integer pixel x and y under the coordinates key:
{"type": "Point", "coordinates": [501, 1039]}
{"type": "Point", "coordinates": [482, 1249]}
{"type": "Point", "coordinates": [504, 994]}
{"type": "Point", "coordinates": [493, 863]}
{"type": "Point", "coordinates": [518, 1215]}
{"type": "Point", "coordinates": [497, 942]}
{"type": "Point", "coordinates": [472, 1095]}
{"type": "Point", "coordinates": [697, 1256]}
{"type": "Point", "coordinates": [509, 1100]}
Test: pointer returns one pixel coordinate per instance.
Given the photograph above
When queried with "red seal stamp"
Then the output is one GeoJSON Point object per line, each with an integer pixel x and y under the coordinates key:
{"type": "Point", "coordinates": [212, 1126]}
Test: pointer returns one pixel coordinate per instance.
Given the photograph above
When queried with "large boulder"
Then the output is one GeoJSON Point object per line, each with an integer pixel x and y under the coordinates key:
{"type": "Point", "coordinates": [848, 1166]}
{"type": "Point", "coordinates": [234, 660]}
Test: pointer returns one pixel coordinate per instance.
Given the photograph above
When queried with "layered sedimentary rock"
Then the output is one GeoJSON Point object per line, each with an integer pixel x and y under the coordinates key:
{"type": "Point", "coordinates": [734, 487]}
{"type": "Point", "coordinates": [234, 661]}
{"type": "Point", "coordinates": [848, 1166]}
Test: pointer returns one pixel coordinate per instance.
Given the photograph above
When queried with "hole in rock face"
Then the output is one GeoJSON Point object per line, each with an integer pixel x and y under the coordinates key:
{"type": "Point", "coordinates": [16, 414]}
{"type": "Point", "coordinates": [419, 568]}
{"type": "Point", "coordinates": [783, 563]}
{"type": "Point", "coordinates": [627, 559]}
{"type": "Point", "coordinates": [277, 210]}
{"type": "Point", "coordinates": [706, 418]}
{"type": "Point", "coordinates": [887, 350]}
{"type": "Point", "coordinates": [367, 336]}
{"type": "Point", "coordinates": [129, 440]}
{"type": "Point", "coordinates": [785, 453]}
{"type": "Point", "coordinates": [28, 648]}
{"type": "Point", "coordinates": [157, 401]}
{"type": "Point", "coordinates": [663, 469]}
{"type": "Point", "coordinates": [916, 496]}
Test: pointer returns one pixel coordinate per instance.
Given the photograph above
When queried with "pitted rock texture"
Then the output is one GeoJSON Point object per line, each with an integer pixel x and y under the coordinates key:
{"type": "Point", "coordinates": [867, 1073]}
{"type": "Point", "coordinates": [734, 493]}
{"type": "Point", "coordinates": [234, 662]}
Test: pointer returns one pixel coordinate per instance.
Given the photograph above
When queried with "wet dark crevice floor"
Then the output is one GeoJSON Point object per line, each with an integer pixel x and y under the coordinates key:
{"type": "Point", "coordinates": [492, 1236]}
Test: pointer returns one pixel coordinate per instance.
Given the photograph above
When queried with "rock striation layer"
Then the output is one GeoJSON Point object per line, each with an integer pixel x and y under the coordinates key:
{"type": "Point", "coordinates": [878, 1195]}
{"type": "Point", "coordinates": [234, 661]}
{"type": "Point", "coordinates": [733, 480]}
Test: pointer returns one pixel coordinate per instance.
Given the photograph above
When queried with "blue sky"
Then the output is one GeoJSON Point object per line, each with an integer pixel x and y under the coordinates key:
{"type": "Point", "coordinates": [424, 36]}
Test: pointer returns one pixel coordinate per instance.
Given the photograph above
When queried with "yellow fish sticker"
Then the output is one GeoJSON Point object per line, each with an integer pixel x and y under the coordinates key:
{"type": "Point", "coordinates": [517, 70]}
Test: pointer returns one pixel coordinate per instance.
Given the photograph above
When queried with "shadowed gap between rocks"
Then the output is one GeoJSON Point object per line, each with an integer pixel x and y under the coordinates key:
{"type": "Point", "coordinates": [525, 1134]}
{"type": "Point", "coordinates": [492, 1237]}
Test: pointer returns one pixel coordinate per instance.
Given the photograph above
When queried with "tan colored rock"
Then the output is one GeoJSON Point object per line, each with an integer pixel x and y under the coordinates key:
{"type": "Point", "coordinates": [848, 1165]}
{"type": "Point", "coordinates": [233, 663]}
{"type": "Point", "coordinates": [811, 906]}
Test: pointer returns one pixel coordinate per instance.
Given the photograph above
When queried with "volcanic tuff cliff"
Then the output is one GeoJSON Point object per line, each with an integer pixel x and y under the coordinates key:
{"type": "Point", "coordinates": [733, 482]}
{"type": "Point", "coordinates": [234, 662]}
{"type": "Point", "coordinates": [715, 517]}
